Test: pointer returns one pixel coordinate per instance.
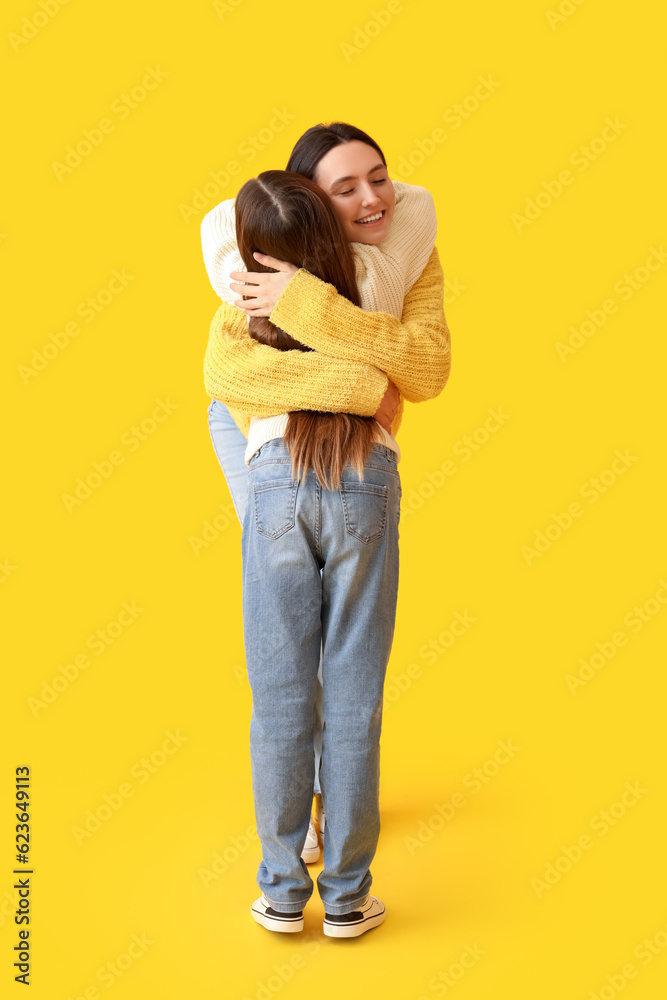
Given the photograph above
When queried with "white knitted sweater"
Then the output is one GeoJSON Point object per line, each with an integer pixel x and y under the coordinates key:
{"type": "Point", "coordinates": [385, 274]}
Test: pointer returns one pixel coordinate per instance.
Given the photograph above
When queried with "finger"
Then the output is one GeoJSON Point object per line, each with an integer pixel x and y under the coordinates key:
{"type": "Point", "coordinates": [279, 265]}
{"type": "Point", "coordinates": [252, 306]}
{"type": "Point", "coordinates": [257, 311]}
{"type": "Point", "coordinates": [245, 276]}
{"type": "Point", "coordinates": [240, 288]}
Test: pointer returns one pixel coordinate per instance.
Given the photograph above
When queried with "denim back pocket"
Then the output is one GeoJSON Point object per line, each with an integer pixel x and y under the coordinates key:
{"type": "Point", "coordinates": [275, 504]}
{"type": "Point", "coordinates": [364, 509]}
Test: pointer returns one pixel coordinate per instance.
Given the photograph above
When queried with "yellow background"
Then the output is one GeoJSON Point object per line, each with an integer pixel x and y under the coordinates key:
{"type": "Point", "coordinates": [178, 666]}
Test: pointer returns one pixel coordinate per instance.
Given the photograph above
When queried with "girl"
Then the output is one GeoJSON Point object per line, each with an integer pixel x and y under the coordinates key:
{"type": "Point", "coordinates": [320, 567]}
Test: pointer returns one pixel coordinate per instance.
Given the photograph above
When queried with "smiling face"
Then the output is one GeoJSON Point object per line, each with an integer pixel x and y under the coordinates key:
{"type": "Point", "coordinates": [357, 181]}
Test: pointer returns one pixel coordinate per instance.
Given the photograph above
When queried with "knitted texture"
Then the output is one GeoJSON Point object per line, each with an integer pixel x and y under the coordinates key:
{"type": "Point", "coordinates": [414, 350]}
{"type": "Point", "coordinates": [254, 379]}
{"type": "Point", "coordinates": [385, 273]}
{"type": "Point", "coordinates": [346, 371]}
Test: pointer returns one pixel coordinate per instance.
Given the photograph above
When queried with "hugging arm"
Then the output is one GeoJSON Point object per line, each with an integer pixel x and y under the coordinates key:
{"type": "Point", "coordinates": [413, 351]}
{"type": "Point", "coordinates": [258, 380]}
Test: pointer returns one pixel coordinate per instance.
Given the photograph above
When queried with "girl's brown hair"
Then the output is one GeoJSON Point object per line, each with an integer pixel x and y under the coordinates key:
{"type": "Point", "coordinates": [287, 216]}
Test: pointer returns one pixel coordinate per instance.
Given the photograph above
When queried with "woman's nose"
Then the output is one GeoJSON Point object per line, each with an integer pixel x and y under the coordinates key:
{"type": "Point", "coordinates": [370, 196]}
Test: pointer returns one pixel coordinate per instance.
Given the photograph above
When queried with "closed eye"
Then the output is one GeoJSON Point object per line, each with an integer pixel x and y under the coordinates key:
{"type": "Point", "coordinates": [383, 181]}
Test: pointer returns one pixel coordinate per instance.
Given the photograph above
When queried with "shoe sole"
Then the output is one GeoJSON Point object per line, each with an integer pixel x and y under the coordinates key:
{"type": "Point", "coordinates": [286, 925]}
{"type": "Point", "coordinates": [353, 930]}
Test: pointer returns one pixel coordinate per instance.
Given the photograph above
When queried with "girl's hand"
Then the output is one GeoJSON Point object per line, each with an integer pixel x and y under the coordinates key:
{"type": "Point", "coordinates": [265, 287]}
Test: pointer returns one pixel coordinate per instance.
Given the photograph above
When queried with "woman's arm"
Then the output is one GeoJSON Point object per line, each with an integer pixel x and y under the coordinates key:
{"type": "Point", "coordinates": [259, 380]}
{"type": "Point", "coordinates": [414, 351]}
{"type": "Point", "coordinates": [219, 247]}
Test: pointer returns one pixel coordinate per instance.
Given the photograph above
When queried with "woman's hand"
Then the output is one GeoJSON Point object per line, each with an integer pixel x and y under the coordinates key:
{"type": "Point", "coordinates": [265, 287]}
{"type": "Point", "coordinates": [387, 410]}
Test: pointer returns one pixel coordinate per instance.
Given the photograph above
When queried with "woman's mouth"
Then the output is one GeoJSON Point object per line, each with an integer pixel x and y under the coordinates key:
{"type": "Point", "coordinates": [371, 220]}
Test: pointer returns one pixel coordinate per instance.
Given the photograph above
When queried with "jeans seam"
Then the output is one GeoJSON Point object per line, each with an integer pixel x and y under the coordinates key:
{"type": "Point", "coordinates": [318, 519]}
{"type": "Point", "coordinates": [299, 904]}
{"type": "Point", "coordinates": [336, 912]}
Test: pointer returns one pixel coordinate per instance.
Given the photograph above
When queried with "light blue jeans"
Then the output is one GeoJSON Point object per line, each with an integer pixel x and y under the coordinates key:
{"type": "Point", "coordinates": [320, 569]}
{"type": "Point", "coordinates": [229, 445]}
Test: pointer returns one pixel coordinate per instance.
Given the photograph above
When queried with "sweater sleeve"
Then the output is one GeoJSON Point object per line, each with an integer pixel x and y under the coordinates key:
{"type": "Point", "coordinates": [414, 351]}
{"type": "Point", "coordinates": [219, 248]}
{"type": "Point", "coordinates": [260, 380]}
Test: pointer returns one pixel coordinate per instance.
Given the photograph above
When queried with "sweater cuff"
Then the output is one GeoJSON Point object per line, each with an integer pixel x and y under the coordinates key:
{"type": "Point", "coordinates": [303, 291]}
{"type": "Point", "coordinates": [367, 391]}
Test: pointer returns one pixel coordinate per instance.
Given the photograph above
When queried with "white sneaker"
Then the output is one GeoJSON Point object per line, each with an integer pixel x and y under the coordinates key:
{"type": "Point", "coordinates": [369, 915]}
{"type": "Point", "coordinates": [311, 849]}
{"type": "Point", "coordinates": [286, 923]}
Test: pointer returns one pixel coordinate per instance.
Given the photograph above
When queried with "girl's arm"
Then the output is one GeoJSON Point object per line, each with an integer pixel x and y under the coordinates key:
{"type": "Point", "coordinates": [259, 380]}
{"type": "Point", "coordinates": [414, 351]}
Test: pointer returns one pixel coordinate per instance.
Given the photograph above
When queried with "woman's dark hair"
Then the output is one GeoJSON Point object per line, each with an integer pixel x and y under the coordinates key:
{"type": "Point", "coordinates": [287, 216]}
{"type": "Point", "coordinates": [318, 140]}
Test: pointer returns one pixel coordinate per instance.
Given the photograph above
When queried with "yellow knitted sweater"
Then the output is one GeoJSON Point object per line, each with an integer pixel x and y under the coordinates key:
{"type": "Point", "coordinates": [355, 351]}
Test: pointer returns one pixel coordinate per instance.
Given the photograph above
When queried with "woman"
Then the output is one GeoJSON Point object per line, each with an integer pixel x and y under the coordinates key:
{"type": "Point", "coordinates": [412, 350]}
{"type": "Point", "coordinates": [327, 154]}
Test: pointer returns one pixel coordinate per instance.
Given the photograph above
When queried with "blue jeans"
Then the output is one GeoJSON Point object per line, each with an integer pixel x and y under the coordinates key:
{"type": "Point", "coordinates": [229, 445]}
{"type": "Point", "coordinates": [320, 567]}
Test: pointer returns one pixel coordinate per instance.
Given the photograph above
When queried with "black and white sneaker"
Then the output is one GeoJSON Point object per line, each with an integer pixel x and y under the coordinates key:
{"type": "Point", "coordinates": [264, 914]}
{"type": "Point", "coordinates": [369, 915]}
